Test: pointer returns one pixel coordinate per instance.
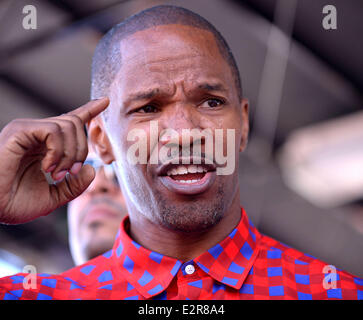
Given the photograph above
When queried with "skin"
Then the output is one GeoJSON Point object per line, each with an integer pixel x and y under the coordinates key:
{"type": "Point", "coordinates": [55, 145]}
{"type": "Point", "coordinates": [174, 62]}
{"type": "Point", "coordinates": [94, 218]}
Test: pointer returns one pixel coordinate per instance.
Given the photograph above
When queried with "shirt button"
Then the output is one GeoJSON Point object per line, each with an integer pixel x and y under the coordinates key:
{"type": "Point", "coordinates": [189, 269]}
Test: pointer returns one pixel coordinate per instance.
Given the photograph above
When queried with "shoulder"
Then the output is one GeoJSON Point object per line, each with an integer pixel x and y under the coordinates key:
{"type": "Point", "coordinates": [33, 286]}
{"type": "Point", "coordinates": [305, 273]}
{"type": "Point", "coordinates": [273, 249]}
{"type": "Point", "coordinates": [100, 278]}
{"type": "Point", "coordinates": [96, 270]}
{"type": "Point", "coordinates": [83, 281]}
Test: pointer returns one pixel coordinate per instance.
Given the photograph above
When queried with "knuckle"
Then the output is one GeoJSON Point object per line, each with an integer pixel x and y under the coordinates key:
{"type": "Point", "coordinates": [15, 124]}
{"type": "Point", "coordinates": [82, 152]}
{"type": "Point", "coordinates": [65, 164]}
{"type": "Point", "coordinates": [76, 119]}
{"type": "Point", "coordinates": [69, 155]}
{"type": "Point", "coordinates": [68, 125]}
{"type": "Point", "coordinates": [54, 128]}
{"type": "Point", "coordinates": [55, 154]}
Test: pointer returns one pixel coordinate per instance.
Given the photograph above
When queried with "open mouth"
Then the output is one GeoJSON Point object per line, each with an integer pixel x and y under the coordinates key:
{"type": "Point", "coordinates": [188, 178]}
{"type": "Point", "coordinates": [187, 173]}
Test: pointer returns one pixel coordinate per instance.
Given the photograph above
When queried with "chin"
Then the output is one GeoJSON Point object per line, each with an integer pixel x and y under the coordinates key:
{"type": "Point", "coordinates": [194, 215]}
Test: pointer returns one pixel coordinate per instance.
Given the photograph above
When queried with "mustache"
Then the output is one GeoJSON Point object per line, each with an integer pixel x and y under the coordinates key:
{"type": "Point", "coordinates": [195, 152]}
{"type": "Point", "coordinates": [186, 158]}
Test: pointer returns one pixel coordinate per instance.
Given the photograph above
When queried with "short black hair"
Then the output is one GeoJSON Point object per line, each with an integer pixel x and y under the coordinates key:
{"type": "Point", "coordinates": [107, 58]}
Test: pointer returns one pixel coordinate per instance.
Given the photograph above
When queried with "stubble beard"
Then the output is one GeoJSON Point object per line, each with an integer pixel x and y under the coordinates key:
{"type": "Point", "coordinates": [195, 215]}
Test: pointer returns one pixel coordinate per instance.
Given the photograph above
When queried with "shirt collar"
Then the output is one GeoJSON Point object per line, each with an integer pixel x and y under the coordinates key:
{"type": "Point", "coordinates": [150, 272]}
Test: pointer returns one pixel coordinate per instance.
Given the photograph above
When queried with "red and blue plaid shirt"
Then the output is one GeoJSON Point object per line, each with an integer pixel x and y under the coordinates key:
{"type": "Point", "coordinates": [245, 265]}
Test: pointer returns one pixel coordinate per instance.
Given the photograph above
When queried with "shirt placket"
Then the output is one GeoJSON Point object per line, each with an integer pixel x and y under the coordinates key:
{"type": "Point", "coordinates": [189, 281]}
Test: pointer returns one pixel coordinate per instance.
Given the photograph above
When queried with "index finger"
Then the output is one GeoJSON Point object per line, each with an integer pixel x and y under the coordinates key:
{"type": "Point", "coordinates": [91, 109]}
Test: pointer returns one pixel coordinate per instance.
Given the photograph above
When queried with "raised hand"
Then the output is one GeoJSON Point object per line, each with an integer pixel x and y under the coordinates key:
{"type": "Point", "coordinates": [56, 145]}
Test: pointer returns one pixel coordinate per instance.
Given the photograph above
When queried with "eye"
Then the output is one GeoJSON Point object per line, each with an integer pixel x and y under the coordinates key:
{"type": "Point", "coordinates": [147, 109]}
{"type": "Point", "coordinates": [213, 103]}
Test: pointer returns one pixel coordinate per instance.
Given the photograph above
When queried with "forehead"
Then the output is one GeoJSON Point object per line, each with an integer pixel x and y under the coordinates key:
{"type": "Point", "coordinates": [170, 53]}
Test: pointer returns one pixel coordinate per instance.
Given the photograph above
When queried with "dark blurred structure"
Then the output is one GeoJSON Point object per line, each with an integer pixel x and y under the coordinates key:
{"type": "Point", "coordinates": [294, 72]}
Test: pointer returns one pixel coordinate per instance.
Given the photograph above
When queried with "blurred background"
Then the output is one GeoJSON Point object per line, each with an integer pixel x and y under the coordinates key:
{"type": "Point", "coordinates": [302, 174]}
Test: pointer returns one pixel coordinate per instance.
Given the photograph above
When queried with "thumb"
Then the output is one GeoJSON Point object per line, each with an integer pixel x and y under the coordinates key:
{"type": "Point", "coordinates": [73, 185]}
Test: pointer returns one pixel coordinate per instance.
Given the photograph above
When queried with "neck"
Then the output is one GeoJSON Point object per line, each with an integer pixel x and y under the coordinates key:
{"type": "Point", "coordinates": [181, 245]}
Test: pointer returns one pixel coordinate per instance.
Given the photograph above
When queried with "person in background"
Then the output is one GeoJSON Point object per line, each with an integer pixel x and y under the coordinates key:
{"type": "Point", "coordinates": [95, 216]}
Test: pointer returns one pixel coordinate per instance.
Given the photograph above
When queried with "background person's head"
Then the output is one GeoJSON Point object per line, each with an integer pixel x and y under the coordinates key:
{"type": "Point", "coordinates": [95, 216]}
{"type": "Point", "coordinates": [169, 65]}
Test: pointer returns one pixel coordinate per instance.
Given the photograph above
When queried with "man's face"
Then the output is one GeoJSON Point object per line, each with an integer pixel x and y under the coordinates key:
{"type": "Point", "coordinates": [175, 75]}
{"type": "Point", "coordinates": [94, 218]}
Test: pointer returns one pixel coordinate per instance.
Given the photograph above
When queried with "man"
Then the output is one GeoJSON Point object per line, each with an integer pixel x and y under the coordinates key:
{"type": "Point", "coordinates": [95, 216]}
{"type": "Point", "coordinates": [186, 236]}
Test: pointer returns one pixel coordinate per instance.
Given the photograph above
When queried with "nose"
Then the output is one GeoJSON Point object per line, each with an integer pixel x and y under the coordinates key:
{"type": "Point", "coordinates": [176, 122]}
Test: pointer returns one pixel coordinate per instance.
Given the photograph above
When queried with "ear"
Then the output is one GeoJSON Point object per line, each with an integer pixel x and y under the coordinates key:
{"type": "Point", "coordinates": [99, 140]}
{"type": "Point", "coordinates": [245, 124]}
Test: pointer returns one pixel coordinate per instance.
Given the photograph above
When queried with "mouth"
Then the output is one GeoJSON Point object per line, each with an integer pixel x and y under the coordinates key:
{"type": "Point", "coordinates": [188, 179]}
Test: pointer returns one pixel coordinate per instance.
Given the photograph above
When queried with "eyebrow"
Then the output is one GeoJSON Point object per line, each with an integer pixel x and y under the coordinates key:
{"type": "Point", "coordinates": [143, 95]}
{"type": "Point", "coordinates": [149, 94]}
{"type": "Point", "coordinates": [211, 87]}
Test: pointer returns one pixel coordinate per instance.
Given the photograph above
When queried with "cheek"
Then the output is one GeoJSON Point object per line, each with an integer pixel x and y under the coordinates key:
{"type": "Point", "coordinates": [124, 135]}
{"type": "Point", "coordinates": [225, 124]}
{"type": "Point", "coordinates": [234, 121]}
{"type": "Point", "coordinates": [119, 140]}
{"type": "Point", "coordinates": [133, 147]}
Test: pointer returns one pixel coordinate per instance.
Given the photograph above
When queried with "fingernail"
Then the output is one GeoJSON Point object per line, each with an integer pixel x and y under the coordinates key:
{"type": "Point", "coordinates": [51, 168]}
{"type": "Point", "coordinates": [60, 175]}
{"type": "Point", "coordinates": [75, 168]}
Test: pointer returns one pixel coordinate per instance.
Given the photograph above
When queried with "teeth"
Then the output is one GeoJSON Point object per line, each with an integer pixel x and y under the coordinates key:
{"type": "Point", "coordinates": [192, 169]}
{"type": "Point", "coordinates": [188, 181]}
{"type": "Point", "coordinates": [182, 170]}
{"type": "Point", "coordinates": [186, 169]}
